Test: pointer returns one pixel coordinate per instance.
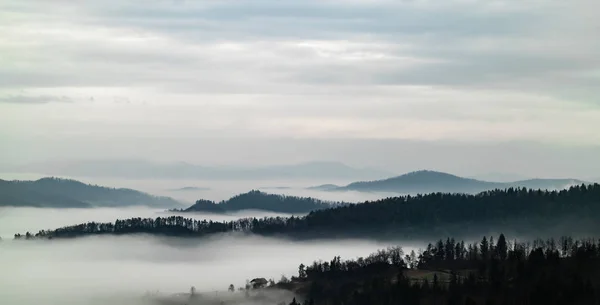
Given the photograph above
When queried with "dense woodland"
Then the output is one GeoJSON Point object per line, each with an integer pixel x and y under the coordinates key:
{"type": "Point", "coordinates": [257, 200]}
{"type": "Point", "coordinates": [521, 210]}
{"type": "Point", "coordinates": [563, 271]}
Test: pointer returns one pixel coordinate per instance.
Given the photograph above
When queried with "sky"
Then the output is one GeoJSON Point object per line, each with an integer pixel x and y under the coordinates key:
{"type": "Point", "coordinates": [460, 85]}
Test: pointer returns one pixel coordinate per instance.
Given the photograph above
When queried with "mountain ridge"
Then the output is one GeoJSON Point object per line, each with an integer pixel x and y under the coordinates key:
{"type": "Point", "coordinates": [69, 193]}
{"type": "Point", "coordinates": [429, 181]}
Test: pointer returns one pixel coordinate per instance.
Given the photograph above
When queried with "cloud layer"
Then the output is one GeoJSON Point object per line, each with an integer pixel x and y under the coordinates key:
{"type": "Point", "coordinates": [463, 70]}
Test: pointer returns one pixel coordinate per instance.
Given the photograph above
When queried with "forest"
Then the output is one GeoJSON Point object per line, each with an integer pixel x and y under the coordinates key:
{"type": "Point", "coordinates": [524, 212]}
{"type": "Point", "coordinates": [545, 271]}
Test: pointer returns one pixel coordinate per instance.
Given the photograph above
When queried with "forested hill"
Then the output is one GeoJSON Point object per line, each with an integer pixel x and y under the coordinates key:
{"type": "Point", "coordinates": [519, 211]}
{"type": "Point", "coordinates": [257, 200]}
{"type": "Point", "coordinates": [66, 193]}
{"type": "Point", "coordinates": [545, 271]}
{"type": "Point", "coordinates": [424, 182]}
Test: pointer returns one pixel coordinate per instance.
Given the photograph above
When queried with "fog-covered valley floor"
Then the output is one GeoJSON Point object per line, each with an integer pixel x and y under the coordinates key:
{"type": "Point", "coordinates": [99, 269]}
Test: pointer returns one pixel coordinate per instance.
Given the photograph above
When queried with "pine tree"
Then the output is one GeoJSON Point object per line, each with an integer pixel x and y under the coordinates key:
{"type": "Point", "coordinates": [485, 248]}
{"type": "Point", "coordinates": [502, 247]}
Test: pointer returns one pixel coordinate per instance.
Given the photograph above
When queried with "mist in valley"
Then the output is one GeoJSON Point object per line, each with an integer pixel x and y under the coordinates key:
{"type": "Point", "coordinates": [218, 190]}
{"type": "Point", "coordinates": [130, 266]}
{"type": "Point", "coordinates": [122, 269]}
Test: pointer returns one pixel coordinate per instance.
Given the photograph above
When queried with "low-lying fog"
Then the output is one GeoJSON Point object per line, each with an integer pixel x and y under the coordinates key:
{"type": "Point", "coordinates": [80, 271]}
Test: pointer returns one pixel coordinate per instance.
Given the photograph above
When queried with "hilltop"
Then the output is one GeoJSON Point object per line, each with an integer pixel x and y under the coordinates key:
{"type": "Point", "coordinates": [257, 200]}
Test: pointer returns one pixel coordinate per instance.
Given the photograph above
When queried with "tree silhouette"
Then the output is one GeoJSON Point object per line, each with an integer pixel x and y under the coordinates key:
{"type": "Point", "coordinates": [502, 247]}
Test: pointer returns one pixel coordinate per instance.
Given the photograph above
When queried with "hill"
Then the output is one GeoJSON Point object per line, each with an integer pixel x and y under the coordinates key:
{"type": "Point", "coordinates": [323, 187]}
{"type": "Point", "coordinates": [423, 182]}
{"type": "Point", "coordinates": [257, 200]}
{"type": "Point", "coordinates": [520, 212]}
{"type": "Point", "coordinates": [190, 189]}
{"type": "Point", "coordinates": [66, 193]}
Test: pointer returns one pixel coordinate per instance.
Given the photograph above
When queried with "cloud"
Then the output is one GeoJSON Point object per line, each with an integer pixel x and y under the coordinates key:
{"type": "Point", "coordinates": [434, 70]}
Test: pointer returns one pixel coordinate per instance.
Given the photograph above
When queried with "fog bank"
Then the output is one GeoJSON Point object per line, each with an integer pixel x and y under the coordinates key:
{"type": "Point", "coordinates": [103, 267]}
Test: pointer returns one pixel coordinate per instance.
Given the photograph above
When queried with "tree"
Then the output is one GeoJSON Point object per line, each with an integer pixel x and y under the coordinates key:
{"type": "Point", "coordinates": [395, 254]}
{"type": "Point", "coordinates": [284, 280]}
{"type": "Point", "coordinates": [411, 260]}
{"type": "Point", "coordinates": [231, 288]}
{"type": "Point", "coordinates": [302, 271]}
{"type": "Point", "coordinates": [485, 248]}
{"type": "Point", "coordinates": [502, 247]}
{"type": "Point", "coordinates": [439, 251]}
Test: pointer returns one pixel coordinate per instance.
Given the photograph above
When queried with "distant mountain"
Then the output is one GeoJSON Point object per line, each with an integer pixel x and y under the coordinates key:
{"type": "Point", "coordinates": [257, 200]}
{"type": "Point", "coordinates": [190, 189]}
{"type": "Point", "coordinates": [422, 182]}
{"type": "Point", "coordinates": [65, 193]}
{"type": "Point", "coordinates": [182, 170]}
{"type": "Point", "coordinates": [324, 187]}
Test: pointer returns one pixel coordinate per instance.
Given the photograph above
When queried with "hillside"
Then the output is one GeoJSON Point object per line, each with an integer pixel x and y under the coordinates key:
{"type": "Point", "coordinates": [423, 182]}
{"type": "Point", "coordinates": [520, 212]}
{"type": "Point", "coordinates": [65, 193]}
{"type": "Point", "coordinates": [256, 200]}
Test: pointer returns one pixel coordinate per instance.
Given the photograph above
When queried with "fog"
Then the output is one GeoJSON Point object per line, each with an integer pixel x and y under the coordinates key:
{"type": "Point", "coordinates": [118, 270]}
{"type": "Point", "coordinates": [218, 190]}
{"type": "Point", "coordinates": [101, 267]}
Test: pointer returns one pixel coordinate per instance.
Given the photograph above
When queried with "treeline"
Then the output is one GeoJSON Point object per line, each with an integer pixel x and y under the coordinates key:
{"type": "Point", "coordinates": [397, 217]}
{"type": "Point", "coordinates": [257, 200]}
{"type": "Point", "coordinates": [564, 271]}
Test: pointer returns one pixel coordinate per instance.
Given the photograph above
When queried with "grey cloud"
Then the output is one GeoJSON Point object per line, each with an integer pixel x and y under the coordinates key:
{"type": "Point", "coordinates": [438, 32]}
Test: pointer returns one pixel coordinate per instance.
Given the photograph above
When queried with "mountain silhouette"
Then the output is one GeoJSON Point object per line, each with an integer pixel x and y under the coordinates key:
{"type": "Point", "coordinates": [427, 181]}
{"type": "Point", "coordinates": [66, 193]}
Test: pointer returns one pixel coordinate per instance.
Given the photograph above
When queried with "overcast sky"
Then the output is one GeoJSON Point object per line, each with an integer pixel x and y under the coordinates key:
{"type": "Point", "coordinates": [469, 86]}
